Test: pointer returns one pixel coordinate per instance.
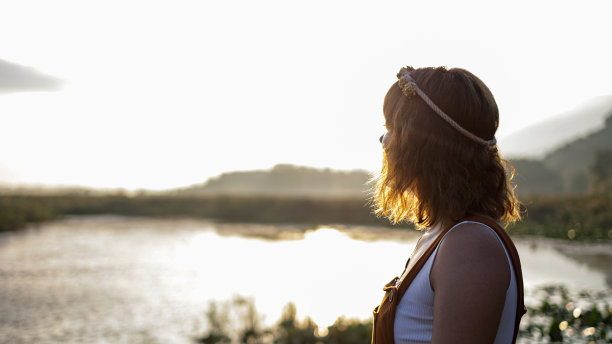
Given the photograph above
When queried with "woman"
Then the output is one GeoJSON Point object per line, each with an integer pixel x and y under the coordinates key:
{"type": "Point", "coordinates": [442, 171]}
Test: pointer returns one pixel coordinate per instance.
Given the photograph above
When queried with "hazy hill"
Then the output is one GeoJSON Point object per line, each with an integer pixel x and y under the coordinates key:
{"type": "Point", "coordinates": [534, 177]}
{"type": "Point", "coordinates": [572, 161]}
{"type": "Point", "coordinates": [285, 180]}
{"type": "Point", "coordinates": [566, 169]}
{"type": "Point", "coordinates": [562, 171]}
{"type": "Point", "coordinates": [536, 141]}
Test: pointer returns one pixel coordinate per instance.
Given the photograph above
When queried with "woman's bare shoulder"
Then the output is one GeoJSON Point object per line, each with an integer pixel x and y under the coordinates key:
{"type": "Point", "coordinates": [472, 247]}
{"type": "Point", "coordinates": [472, 239]}
{"type": "Point", "coordinates": [470, 276]}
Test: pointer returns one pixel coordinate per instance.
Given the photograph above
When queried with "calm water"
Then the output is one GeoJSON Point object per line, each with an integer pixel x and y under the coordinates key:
{"type": "Point", "coordinates": [130, 280]}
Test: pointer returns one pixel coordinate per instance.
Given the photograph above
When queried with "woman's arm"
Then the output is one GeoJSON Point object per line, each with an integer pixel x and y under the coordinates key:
{"type": "Point", "coordinates": [470, 277]}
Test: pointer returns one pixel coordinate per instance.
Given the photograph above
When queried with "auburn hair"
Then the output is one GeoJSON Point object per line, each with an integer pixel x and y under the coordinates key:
{"type": "Point", "coordinates": [431, 172]}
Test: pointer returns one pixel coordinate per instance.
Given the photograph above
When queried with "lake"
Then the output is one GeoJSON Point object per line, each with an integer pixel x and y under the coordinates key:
{"type": "Point", "coordinates": [99, 279]}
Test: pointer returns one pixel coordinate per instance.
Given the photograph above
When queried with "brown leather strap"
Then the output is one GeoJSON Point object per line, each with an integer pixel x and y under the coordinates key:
{"type": "Point", "coordinates": [384, 314]}
{"type": "Point", "coordinates": [414, 271]}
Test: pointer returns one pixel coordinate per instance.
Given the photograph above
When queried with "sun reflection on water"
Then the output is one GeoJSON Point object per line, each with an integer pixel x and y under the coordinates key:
{"type": "Point", "coordinates": [124, 277]}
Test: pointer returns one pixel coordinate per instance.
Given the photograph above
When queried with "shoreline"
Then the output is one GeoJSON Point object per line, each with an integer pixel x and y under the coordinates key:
{"type": "Point", "coordinates": [285, 230]}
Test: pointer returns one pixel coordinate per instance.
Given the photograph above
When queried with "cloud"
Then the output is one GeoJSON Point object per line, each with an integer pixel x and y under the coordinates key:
{"type": "Point", "coordinates": [17, 78]}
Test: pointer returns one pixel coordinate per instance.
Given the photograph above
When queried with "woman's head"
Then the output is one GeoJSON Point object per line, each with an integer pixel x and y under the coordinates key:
{"type": "Point", "coordinates": [431, 171]}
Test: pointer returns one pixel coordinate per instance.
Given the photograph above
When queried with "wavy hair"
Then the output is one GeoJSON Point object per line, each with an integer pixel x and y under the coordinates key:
{"type": "Point", "coordinates": [430, 171]}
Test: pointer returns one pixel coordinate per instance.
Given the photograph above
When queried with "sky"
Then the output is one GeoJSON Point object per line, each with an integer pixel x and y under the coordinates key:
{"type": "Point", "coordinates": [165, 94]}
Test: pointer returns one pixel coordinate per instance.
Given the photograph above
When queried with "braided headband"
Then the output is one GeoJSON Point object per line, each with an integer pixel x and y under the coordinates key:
{"type": "Point", "coordinates": [409, 88]}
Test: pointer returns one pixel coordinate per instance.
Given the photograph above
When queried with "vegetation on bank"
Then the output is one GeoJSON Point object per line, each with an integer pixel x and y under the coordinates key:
{"type": "Point", "coordinates": [237, 321]}
{"type": "Point", "coordinates": [586, 217]}
{"type": "Point", "coordinates": [17, 210]}
{"type": "Point", "coordinates": [559, 317]}
{"type": "Point", "coordinates": [563, 317]}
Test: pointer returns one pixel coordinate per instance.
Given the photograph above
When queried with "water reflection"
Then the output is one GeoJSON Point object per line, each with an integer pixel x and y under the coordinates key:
{"type": "Point", "coordinates": [547, 262]}
{"type": "Point", "coordinates": [130, 279]}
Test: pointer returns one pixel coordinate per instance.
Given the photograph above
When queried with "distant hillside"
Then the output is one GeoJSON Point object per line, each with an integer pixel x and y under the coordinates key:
{"type": "Point", "coordinates": [566, 169]}
{"type": "Point", "coordinates": [562, 171]}
{"type": "Point", "coordinates": [534, 177]}
{"type": "Point", "coordinates": [538, 140]}
{"type": "Point", "coordinates": [572, 161]}
{"type": "Point", "coordinates": [285, 180]}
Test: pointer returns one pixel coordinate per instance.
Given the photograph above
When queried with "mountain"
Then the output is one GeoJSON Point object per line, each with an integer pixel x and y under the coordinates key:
{"type": "Point", "coordinates": [534, 177]}
{"type": "Point", "coordinates": [536, 141]}
{"type": "Point", "coordinates": [566, 149]}
{"type": "Point", "coordinates": [285, 180]}
{"type": "Point", "coordinates": [573, 160]}
{"type": "Point", "coordinates": [565, 169]}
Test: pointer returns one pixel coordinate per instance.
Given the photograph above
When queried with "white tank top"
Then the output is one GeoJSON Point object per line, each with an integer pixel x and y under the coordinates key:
{"type": "Point", "coordinates": [414, 314]}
